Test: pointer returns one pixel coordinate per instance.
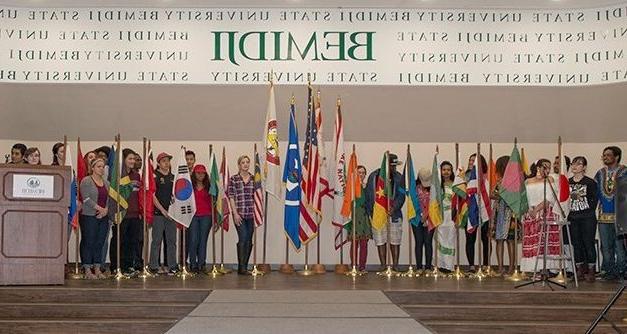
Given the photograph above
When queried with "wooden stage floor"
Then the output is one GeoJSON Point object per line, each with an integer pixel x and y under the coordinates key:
{"type": "Point", "coordinates": [443, 306]}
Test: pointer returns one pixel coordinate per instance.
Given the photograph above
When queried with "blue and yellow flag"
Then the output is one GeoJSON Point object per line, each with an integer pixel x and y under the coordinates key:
{"type": "Point", "coordinates": [292, 176]}
{"type": "Point", "coordinates": [414, 211]}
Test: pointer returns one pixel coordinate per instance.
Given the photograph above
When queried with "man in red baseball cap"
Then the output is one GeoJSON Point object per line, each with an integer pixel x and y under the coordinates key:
{"type": "Point", "coordinates": [164, 181]}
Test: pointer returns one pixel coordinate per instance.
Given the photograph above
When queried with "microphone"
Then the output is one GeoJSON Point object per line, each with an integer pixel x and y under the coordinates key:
{"type": "Point", "coordinates": [6, 158]}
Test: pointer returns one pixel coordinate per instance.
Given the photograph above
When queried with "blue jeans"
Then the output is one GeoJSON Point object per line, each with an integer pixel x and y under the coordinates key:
{"type": "Point", "coordinates": [245, 231]}
{"type": "Point", "coordinates": [612, 250]}
{"type": "Point", "coordinates": [93, 232]}
{"type": "Point", "coordinates": [198, 236]}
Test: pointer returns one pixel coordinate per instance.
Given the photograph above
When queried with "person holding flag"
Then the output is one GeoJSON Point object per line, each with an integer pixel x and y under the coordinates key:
{"type": "Point", "coordinates": [423, 236]}
{"type": "Point", "coordinates": [383, 187]}
{"type": "Point", "coordinates": [363, 229]}
{"type": "Point", "coordinates": [503, 223]}
{"type": "Point", "coordinates": [478, 203]}
{"type": "Point", "coordinates": [201, 223]}
{"type": "Point", "coordinates": [162, 224]}
{"type": "Point", "coordinates": [241, 195]}
{"type": "Point", "coordinates": [94, 221]}
{"type": "Point", "coordinates": [446, 230]}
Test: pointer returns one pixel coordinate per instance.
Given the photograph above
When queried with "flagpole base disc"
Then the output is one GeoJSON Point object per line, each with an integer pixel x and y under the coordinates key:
{"type": "Point", "coordinates": [286, 269]}
{"type": "Point", "coordinates": [264, 268]}
{"type": "Point", "coordinates": [341, 269]}
{"type": "Point", "coordinates": [480, 275]}
{"type": "Point", "coordinates": [184, 274]}
{"type": "Point", "coordinates": [119, 276]}
{"type": "Point", "coordinates": [145, 273]}
{"type": "Point", "coordinates": [489, 272]}
{"type": "Point", "coordinates": [411, 273]}
{"type": "Point", "coordinates": [517, 276]}
{"type": "Point", "coordinates": [76, 274]}
{"type": "Point", "coordinates": [354, 272]}
{"type": "Point", "coordinates": [458, 273]}
{"type": "Point", "coordinates": [215, 272]}
{"type": "Point", "coordinates": [224, 270]}
{"type": "Point", "coordinates": [256, 272]}
{"type": "Point", "coordinates": [319, 268]}
{"type": "Point", "coordinates": [435, 273]}
{"type": "Point", "coordinates": [388, 272]}
{"type": "Point", "coordinates": [561, 278]}
{"type": "Point", "coordinates": [306, 271]}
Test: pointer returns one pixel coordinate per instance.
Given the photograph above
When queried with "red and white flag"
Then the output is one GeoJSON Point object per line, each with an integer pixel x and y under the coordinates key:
{"type": "Point", "coordinates": [225, 177]}
{"type": "Point", "coordinates": [339, 179]}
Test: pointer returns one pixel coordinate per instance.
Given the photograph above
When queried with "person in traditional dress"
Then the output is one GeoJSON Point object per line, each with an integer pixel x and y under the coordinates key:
{"type": "Point", "coordinates": [612, 247]}
{"type": "Point", "coordinates": [363, 228]}
{"type": "Point", "coordinates": [542, 205]}
{"type": "Point", "coordinates": [446, 230]}
{"type": "Point", "coordinates": [503, 227]}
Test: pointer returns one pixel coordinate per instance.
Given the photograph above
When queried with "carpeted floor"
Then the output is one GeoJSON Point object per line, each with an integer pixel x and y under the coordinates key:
{"type": "Point", "coordinates": [301, 311]}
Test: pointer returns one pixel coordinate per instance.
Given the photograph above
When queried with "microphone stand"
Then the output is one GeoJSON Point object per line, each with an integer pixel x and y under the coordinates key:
{"type": "Point", "coordinates": [544, 233]}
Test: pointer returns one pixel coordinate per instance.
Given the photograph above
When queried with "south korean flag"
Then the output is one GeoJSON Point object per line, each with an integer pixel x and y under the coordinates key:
{"type": "Point", "coordinates": [183, 208]}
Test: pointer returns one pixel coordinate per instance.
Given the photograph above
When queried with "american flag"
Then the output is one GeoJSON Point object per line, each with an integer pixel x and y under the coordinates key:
{"type": "Point", "coordinates": [324, 187]}
{"type": "Point", "coordinates": [310, 181]}
{"type": "Point", "coordinates": [258, 191]}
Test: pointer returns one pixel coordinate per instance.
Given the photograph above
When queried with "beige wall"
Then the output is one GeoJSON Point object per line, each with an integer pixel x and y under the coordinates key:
{"type": "Point", "coordinates": [369, 154]}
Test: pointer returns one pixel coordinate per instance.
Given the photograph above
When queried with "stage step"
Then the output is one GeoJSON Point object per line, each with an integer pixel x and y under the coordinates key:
{"type": "Point", "coordinates": [494, 312]}
{"type": "Point", "coordinates": [76, 310]}
{"type": "Point", "coordinates": [530, 312]}
{"type": "Point", "coordinates": [518, 327]}
{"type": "Point", "coordinates": [514, 297]}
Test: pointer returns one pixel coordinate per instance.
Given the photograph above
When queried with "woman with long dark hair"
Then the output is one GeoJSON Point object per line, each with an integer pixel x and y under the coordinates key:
{"type": "Point", "coordinates": [539, 210]}
{"type": "Point", "coordinates": [58, 153]}
{"type": "Point", "coordinates": [201, 223]}
{"type": "Point", "coordinates": [446, 230]}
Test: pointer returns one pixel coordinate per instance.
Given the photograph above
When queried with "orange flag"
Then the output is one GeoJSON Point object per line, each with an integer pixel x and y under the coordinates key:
{"type": "Point", "coordinates": [353, 186]}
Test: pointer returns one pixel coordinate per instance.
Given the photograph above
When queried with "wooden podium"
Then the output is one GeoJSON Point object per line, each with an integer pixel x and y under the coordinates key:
{"type": "Point", "coordinates": [33, 224]}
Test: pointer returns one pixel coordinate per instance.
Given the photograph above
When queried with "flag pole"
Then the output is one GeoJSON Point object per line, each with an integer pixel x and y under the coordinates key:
{"type": "Point", "coordinates": [306, 271]}
{"type": "Point", "coordinates": [255, 272]}
{"type": "Point", "coordinates": [410, 231]}
{"type": "Point", "coordinates": [145, 273]}
{"type": "Point", "coordinates": [118, 272]}
{"type": "Point", "coordinates": [516, 276]}
{"type": "Point", "coordinates": [341, 268]}
{"type": "Point", "coordinates": [488, 269]}
{"type": "Point", "coordinates": [287, 268]}
{"type": "Point", "coordinates": [435, 273]}
{"type": "Point", "coordinates": [264, 267]}
{"type": "Point", "coordinates": [223, 269]}
{"type": "Point", "coordinates": [389, 272]}
{"type": "Point", "coordinates": [561, 278]}
{"type": "Point", "coordinates": [77, 272]}
{"type": "Point", "coordinates": [458, 273]}
{"type": "Point", "coordinates": [480, 275]}
{"type": "Point", "coordinates": [215, 271]}
{"type": "Point", "coordinates": [354, 272]}
{"type": "Point", "coordinates": [62, 163]}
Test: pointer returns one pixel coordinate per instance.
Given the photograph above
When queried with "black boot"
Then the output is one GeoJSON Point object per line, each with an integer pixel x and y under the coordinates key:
{"type": "Point", "coordinates": [248, 249]}
{"type": "Point", "coordinates": [242, 264]}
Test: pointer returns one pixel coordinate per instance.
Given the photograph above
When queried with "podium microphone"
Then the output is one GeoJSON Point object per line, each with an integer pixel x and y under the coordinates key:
{"type": "Point", "coordinates": [6, 158]}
